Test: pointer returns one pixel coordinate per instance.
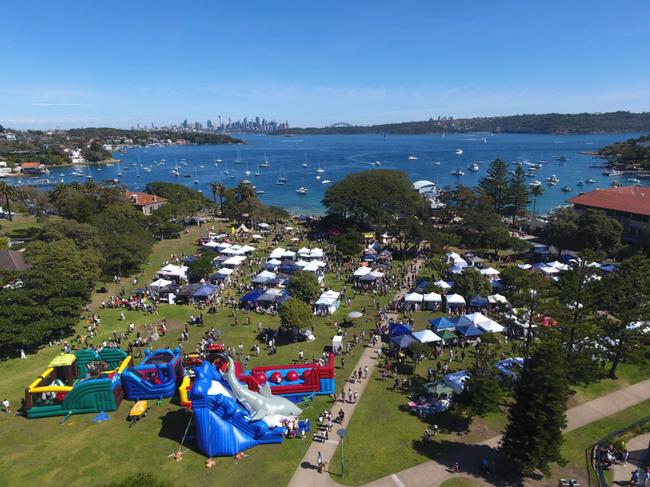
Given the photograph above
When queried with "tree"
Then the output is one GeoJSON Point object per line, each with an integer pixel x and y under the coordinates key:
{"type": "Point", "coordinates": [598, 232]}
{"type": "Point", "coordinates": [348, 243]}
{"type": "Point", "coordinates": [377, 198]}
{"type": "Point", "coordinates": [533, 436]}
{"type": "Point", "coordinates": [125, 237]}
{"type": "Point", "coordinates": [63, 257]}
{"type": "Point", "coordinates": [626, 297]}
{"type": "Point", "coordinates": [482, 392]}
{"type": "Point", "coordinates": [218, 190]}
{"type": "Point", "coordinates": [8, 193]}
{"type": "Point", "coordinates": [200, 268]}
{"type": "Point", "coordinates": [418, 351]}
{"type": "Point", "coordinates": [294, 312]}
{"type": "Point", "coordinates": [517, 194]}
{"type": "Point", "coordinates": [562, 229]}
{"type": "Point", "coordinates": [141, 480]}
{"type": "Point", "coordinates": [575, 300]}
{"type": "Point", "coordinates": [536, 191]}
{"type": "Point", "coordinates": [471, 282]}
{"type": "Point", "coordinates": [304, 286]}
{"type": "Point", "coordinates": [85, 236]}
{"type": "Point", "coordinates": [495, 184]}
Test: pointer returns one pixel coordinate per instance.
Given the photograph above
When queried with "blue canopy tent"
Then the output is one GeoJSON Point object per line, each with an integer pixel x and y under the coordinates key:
{"type": "Point", "coordinates": [288, 268]}
{"type": "Point", "coordinates": [443, 323]}
{"type": "Point", "coordinates": [189, 259]}
{"type": "Point", "coordinates": [398, 329]}
{"type": "Point", "coordinates": [608, 268]}
{"type": "Point", "coordinates": [403, 341]}
{"type": "Point", "coordinates": [252, 296]}
{"type": "Point", "coordinates": [479, 302]}
{"type": "Point", "coordinates": [204, 291]}
{"type": "Point", "coordinates": [284, 296]}
{"type": "Point", "coordinates": [470, 330]}
{"type": "Point", "coordinates": [420, 286]}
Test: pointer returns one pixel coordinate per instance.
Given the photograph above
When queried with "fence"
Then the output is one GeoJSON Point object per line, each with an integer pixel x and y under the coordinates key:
{"type": "Point", "coordinates": [603, 443]}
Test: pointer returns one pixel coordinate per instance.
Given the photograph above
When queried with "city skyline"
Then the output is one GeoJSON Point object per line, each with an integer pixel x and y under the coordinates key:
{"type": "Point", "coordinates": [315, 65]}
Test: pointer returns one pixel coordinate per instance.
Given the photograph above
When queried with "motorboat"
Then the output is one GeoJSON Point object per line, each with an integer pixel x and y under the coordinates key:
{"type": "Point", "coordinates": [535, 184]}
{"type": "Point", "coordinates": [474, 167]}
{"type": "Point", "coordinates": [591, 181]}
{"type": "Point", "coordinates": [457, 172]}
{"type": "Point", "coordinates": [567, 189]}
{"type": "Point", "coordinates": [634, 180]}
{"type": "Point", "coordinates": [301, 190]}
{"type": "Point", "coordinates": [259, 191]}
{"type": "Point", "coordinates": [325, 181]}
{"type": "Point", "coordinates": [459, 152]}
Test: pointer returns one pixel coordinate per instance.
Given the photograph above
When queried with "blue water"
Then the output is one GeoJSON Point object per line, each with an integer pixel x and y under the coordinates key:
{"type": "Point", "coordinates": [340, 155]}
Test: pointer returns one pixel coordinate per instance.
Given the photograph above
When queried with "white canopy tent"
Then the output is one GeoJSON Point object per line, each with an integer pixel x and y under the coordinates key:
{"type": "Point", "coordinates": [497, 299]}
{"type": "Point", "coordinates": [426, 336]}
{"type": "Point", "coordinates": [234, 261]}
{"type": "Point", "coordinates": [362, 271]}
{"type": "Point", "coordinates": [490, 272]}
{"type": "Point", "coordinates": [328, 302]}
{"type": "Point", "coordinates": [371, 276]}
{"type": "Point", "coordinates": [277, 253]}
{"type": "Point", "coordinates": [482, 321]}
{"type": "Point", "coordinates": [413, 301]}
{"type": "Point", "coordinates": [160, 283]}
{"type": "Point", "coordinates": [455, 300]}
{"type": "Point", "coordinates": [175, 271]}
{"type": "Point", "coordinates": [442, 284]}
{"type": "Point", "coordinates": [432, 301]}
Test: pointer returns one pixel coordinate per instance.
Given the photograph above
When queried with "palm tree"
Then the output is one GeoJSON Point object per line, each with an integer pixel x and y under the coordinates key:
{"type": "Point", "coordinates": [218, 190]}
{"type": "Point", "coordinates": [90, 187]}
{"type": "Point", "coordinates": [536, 191]}
{"type": "Point", "coordinates": [58, 191]}
{"type": "Point", "coordinates": [9, 194]}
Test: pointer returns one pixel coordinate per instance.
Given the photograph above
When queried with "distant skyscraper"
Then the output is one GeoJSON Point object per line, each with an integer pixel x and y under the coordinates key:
{"type": "Point", "coordinates": [209, 124]}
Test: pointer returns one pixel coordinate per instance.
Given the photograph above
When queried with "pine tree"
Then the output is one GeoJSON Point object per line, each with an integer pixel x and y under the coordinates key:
{"type": "Point", "coordinates": [536, 192]}
{"type": "Point", "coordinates": [495, 184]}
{"type": "Point", "coordinates": [533, 436]}
{"type": "Point", "coordinates": [517, 194]}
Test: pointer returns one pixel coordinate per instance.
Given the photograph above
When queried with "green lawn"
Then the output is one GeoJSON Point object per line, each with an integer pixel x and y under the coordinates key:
{"type": "Point", "coordinates": [43, 451]}
{"type": "Point", "coordinates": [459, 482]}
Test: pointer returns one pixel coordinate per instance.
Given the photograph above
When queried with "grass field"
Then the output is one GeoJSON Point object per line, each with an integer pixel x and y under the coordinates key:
{"type": "Point", "coordinates": [80, 452]}
{"type": "Point", "coordinates": [459, 482]}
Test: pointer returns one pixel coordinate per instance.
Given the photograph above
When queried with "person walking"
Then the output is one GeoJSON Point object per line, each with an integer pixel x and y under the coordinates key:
{"type": "Point", "coordinates": [365, 372]}
{"type": "Point", "coordinates": [319, 462]}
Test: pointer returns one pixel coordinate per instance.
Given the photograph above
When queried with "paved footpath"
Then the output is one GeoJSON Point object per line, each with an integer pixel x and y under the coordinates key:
{"type": "Point", "coordinates": [306, 475]}
{"type": "Point", "coordinates": [434, 472]}
{"type": "Point", "coordinates": [638, 449]}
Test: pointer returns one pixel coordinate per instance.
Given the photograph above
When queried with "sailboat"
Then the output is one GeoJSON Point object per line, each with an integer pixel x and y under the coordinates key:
{"type": "Point", "coordinates": [119, 170]}
{"type": "Point", "coordinates": [265, 162]}
{"type": "Point", "coordinates": [90, 176]}
{"type": "Point", "coordinates": [281, 180]}
{"type": "Point", "coordinates": [412, 157]}
{"type": "Point", "coordinates": [196, 175]}
{"type": "Point", "coordinates": [238, 160]}
{"type": "Point", "coordinates": [320, 170]}
{"type": "Point", "coordinates": [257, 172]}
{"type": "Point", "coordinates": [305, 164]}
{"type": "Point", "coordinates": [302, 190]}
{"type": "Point", "coordinates": [218, 160]}
{"type": "Point", "coordinates": [247, 171]}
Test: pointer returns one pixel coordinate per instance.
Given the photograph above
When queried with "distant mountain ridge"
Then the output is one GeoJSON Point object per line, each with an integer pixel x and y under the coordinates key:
{"type": "Point", "coordinates": [549, 123]}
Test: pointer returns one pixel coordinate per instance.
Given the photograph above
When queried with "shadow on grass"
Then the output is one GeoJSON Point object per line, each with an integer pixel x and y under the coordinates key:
{"type": "Point", "coordinates": [173, 425]}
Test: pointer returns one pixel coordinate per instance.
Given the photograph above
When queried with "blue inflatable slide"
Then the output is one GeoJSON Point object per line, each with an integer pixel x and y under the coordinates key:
{"type": "Point", "coordinates": [222, 423]}
{"type": "Point", "coordinates": [157, 376]}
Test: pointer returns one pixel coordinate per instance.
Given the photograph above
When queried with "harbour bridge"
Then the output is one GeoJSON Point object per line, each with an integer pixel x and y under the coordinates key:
{"type": "Point", "coordinates": [340, 124]}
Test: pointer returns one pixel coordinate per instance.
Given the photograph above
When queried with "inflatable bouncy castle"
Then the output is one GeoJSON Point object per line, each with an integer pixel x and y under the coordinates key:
{"type": "Point", "coordinates": [229, 418]}
{"type": "Point", "coordinates": [157, 376]}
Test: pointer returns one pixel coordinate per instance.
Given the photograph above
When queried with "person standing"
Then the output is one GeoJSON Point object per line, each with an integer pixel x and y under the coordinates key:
{"type": "Point", "coordinates": [319, 462]}
{"type": "Point", "coordinates": [365, 372]}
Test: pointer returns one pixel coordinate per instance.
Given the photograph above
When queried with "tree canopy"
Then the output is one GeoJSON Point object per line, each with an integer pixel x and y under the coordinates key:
{"type": "Point", "coordinates": [304, 286]}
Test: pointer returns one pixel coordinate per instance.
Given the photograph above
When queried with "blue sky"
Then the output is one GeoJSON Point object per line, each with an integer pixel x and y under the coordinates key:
{"type": "Point", "coordinates": [315, 63]}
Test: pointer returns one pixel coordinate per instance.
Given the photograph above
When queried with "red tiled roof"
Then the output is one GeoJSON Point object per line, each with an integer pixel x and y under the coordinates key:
{"type": "Point", "coordinates": [627, 199]}
{"type": "Point", "coordinates": [143, 199]}
{"type": "Point", "coordinates": [31, 164]}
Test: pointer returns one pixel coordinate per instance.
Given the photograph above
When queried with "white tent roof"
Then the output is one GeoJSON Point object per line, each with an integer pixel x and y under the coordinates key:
{"type": "Point", "coordinates": [482, 321]}
{"type": "Point", "coordinates": [413, 298]}
{"type": "Point", "coordinates": [316, 253]}
{"type": "Point", "coordinates": [558, 265]}
{"type": "Point", "coordinates": [277, 253]}
{"type": "Point", "coordinates": [497, 299]}
{"type": "Point", "coordinates": [442, 284]}
{"type": "Point", "coordinates": [432, 297]}
{"type": "Point", "coordinates": [490, 271]}
{"type": "Point", "coordinates": [174, 270]}
{"type": "Point", "coordinates": [288, 254]}
{"type": "Point", "coordinates": [274, 262]}
{"type": "Point", "coordinates": [211, 244]}
{"type": "Point", "coordinates": [426, 336]}
{"type": "Point", "coordinates": [304, 251]}
{"type": "Point", "coordinates": [455, 299]}
{"type": "Point", "coordinates": [160, 283]}
{"type": "Point", "coordinates": [328, 298]}
{"type": "Point", "coordinates": [247, 248]}
{"type": "Point", "coordinates": [371, 276]}
{"type": "Point", "coordinates": [224, 271]}
{"type": "Point", "coordinates": [318, 263]}
{"type": "Point", "coordinates": [242, 228]}
{"type": "Point", "coordinates": [257, 236]}
{"type": "Point", "coordinates": [422, 183]}
{"type": "Point", "coordinates": [263, 225]}
{"type": "Point", "coordinates": [362, 271]}
{"type": "Point", "coordinates": [311, 267]}
{"type": "Point", "coordinates": [301, 263]}
{"type": "Point", "coordinates": [524, 266]}
{"type": "Point", "coordinates": [234, 260]}
{"type": "Point", "coordinates": [267, 275]}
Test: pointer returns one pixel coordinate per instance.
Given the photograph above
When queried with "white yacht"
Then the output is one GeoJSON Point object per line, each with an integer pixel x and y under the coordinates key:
{"type": "Point", "coordinates": [459, 152]}
{"type": "Point", "coordinates": [457, 172]}
{"type": "Point", "coordinates": [474, 167]}
{"type": "Point", "coordinates": [301, 190]}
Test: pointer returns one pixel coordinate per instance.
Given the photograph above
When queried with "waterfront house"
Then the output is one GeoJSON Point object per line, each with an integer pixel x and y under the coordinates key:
{"type": "Point", "coordinates": [145, 202]}
{"type": "Point", "coordinates": [629, 205]}
{"type": "Point", "coordinates": [36, 168]}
